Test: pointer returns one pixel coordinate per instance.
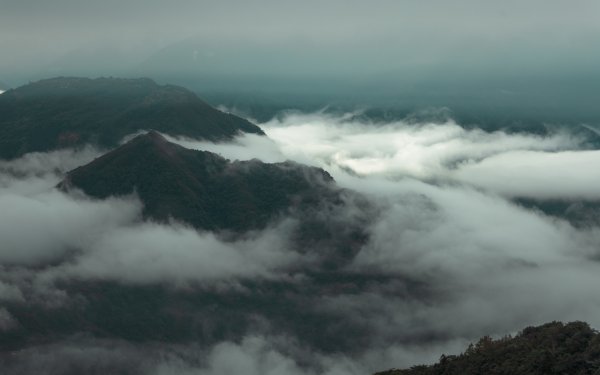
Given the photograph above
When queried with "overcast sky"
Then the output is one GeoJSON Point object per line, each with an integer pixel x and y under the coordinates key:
{"type": "Point", "coordinates": [418, 22]}
{"type": "Point", "coordinates": [35, 32]}
{"type": "Point", "coordinates": [512, 54]}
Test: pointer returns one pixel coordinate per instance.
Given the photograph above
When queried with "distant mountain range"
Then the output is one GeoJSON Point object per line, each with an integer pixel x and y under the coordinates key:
{"type": "Point", "coordinates": [65, 112]}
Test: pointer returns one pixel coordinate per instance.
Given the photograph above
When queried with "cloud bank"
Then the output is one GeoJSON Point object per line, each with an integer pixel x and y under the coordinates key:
{"type": "Point", "coordinates": [450, 255]}
{"type": "Point", "coordinates": [450, 219]}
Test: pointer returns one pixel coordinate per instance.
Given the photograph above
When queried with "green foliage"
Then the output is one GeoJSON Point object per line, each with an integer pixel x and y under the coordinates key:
{"type": "Point", "coordinates": [553, 348]}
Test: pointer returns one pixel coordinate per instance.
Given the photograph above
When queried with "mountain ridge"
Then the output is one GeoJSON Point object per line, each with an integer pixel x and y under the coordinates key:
{"type": "Point", "coordinates": [66, 112]}
{"type": "Point", "coordinates": [200, 188]}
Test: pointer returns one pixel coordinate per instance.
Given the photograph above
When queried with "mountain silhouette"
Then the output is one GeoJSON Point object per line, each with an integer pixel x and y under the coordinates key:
{"type": "Point", "coordinates": [65, 112]}
{"type": "Point", "coordinates": [201, 188]}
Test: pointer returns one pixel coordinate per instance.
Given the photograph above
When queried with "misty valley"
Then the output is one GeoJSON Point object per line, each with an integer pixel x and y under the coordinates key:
{"type": "Point", "coordinates": [144, 231]}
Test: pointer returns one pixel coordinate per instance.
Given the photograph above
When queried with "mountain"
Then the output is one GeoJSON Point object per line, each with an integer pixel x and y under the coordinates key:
{"type": "Point", "coordinates": [65, 112]}
{"type": "Point", "coordinates": [209, 192]}
{"type": "Point", "coordinates": [201, 188]}
{"type": "Point", "coordinates": [552, 348]}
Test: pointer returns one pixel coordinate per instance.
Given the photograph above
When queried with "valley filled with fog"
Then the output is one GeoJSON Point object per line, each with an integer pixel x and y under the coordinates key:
{"type": "Point", "coordinates": [467, 232]}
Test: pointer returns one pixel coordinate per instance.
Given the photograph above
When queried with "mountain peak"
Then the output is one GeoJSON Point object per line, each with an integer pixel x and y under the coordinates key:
{"type": "Point", "coordinates": [155, 140]}
{"type": "Point", "coordinates": [200, 188]}
{"type": "Point", "coordinates": [150, 137]}
{"type": "Point", "coordinates": [155, 136]}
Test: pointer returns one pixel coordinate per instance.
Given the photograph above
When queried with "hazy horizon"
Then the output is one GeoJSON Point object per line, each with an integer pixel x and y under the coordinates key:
{"type": "Point", "coordinates": [512, 54]}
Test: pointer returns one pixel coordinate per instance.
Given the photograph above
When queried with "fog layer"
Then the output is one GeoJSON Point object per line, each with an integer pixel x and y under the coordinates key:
{"type": "Point", "coordinates": [451, 254]}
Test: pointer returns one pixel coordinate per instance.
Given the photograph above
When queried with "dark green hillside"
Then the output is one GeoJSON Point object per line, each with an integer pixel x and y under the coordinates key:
{"type": "Point", "coordinates": [64, 112]}
{"type": "Point", "coordinates": [553, 348]}
{"type": "Point", "coordinates": [209, 192]}
{"type": "Point", "coordinates": [201, 188]}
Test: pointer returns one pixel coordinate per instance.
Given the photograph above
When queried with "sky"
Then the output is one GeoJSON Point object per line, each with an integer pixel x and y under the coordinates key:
{"type": "Point", "coordinates": [509, 50]}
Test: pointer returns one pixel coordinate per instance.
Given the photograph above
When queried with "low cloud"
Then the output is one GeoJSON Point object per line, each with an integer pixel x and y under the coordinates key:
{"type": "Point", "coordinates": [448, 221]}
{"type": "Point", "coordinates": [552, 166]}
{"type": "Point", "coordinates": [537, 175]}
{"type": "Point", "coordinates": [398, 149]}
{"type": "Point", "coordinates": [46, 226]}
{"type": "Point", "coordinates": [244, 147]}
{"type": "Point", "coordinates": [40, 224]}
{"type": "Point", "coordinates": [39, 171]}
{"type": "Point", "coordinates": [157, 253]}
{"type": "Point", "coordinates": [253, 354]}
{"type": "Point", "coordinates": [448, 257]}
